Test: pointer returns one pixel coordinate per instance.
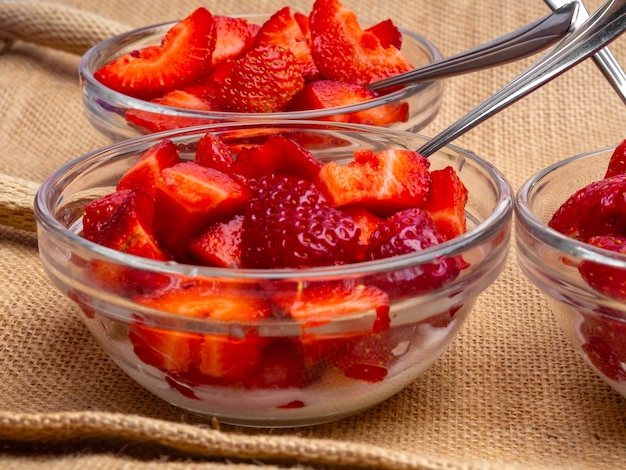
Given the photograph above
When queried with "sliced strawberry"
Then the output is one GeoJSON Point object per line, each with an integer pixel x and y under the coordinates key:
{"type": "Point", "coordinates": [143, 175]}
{"type": "Point", "coordinates": [608, 280]}
{"type": "Point", "coordinates": [220, 244]}
{"type": "Point", "coordinates": [323, 94]}
{"type": "Point", "coordinates": [263, 80]}
{"type": "Point", "coordinates": [387, 33]}
{"type": "Point", "coordinates": [343, 51]}
{"type": "Point", "coordinates": [277, 154]}
{"type": "Point", "coordinates": [212, 152]}
{"type": "Point", "coordinates": [234, 36]}
{"type": "Point", "coordinates": [97, 213]}
{"type": "Point", "coordinates": [409, 231]}
{"type": "Point", "coordinates": [288, 223]}
{"type": "Point", "coordinates": [189, 198]}
{"type": "Point", "coordinates": [181, 59]}
{"type": "Point", "coordinates": [319, 304]}
{"type": "Point", "coordinates": [605, 343]}
{"type": "Point", "coordinates": [597, 209]}
{"type": "Point", "coordinates": [617, 163]}
{"type": "Point", "coordinates": [382, 182]}
{"type": "Point", "coordinates": [283, 29]}
{"type": "Point", "coordinates": [446, 205]}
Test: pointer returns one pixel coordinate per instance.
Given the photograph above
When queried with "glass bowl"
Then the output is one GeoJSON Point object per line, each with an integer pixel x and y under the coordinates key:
{"type": "Point", "coordinates": [594, 323]}
{"type": "Point", "coordinates": [297, 372]}
{"type": "Point", "coordinates": [107, 109]}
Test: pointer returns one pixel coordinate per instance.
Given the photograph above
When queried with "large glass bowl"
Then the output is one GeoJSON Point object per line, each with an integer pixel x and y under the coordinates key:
{"type": "Point", "coordinates": [308, 356]}
{"type": "Point", "coordinates": [106, 109]}
{"type": "Point", "coordinates": [594, 323]}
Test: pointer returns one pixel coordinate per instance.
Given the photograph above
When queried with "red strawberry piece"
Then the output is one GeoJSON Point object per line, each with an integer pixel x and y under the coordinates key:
{"type": "Point", "coordinates": [220, 244]}
{"type": "Point", "coordinates": [617, 163]}
{"type": "Point", "coordinates": [212, 152]}
{"type": "Point", "coordinates": [597, 209]}
{"type": "Point", "coordinates": [318, 304]}
{"type": "Point", "coordinates": [409, 231]}
{"type": "Point", "coordinates": [276, 154]}
{"type": "Point", "coordinates": [605, 343]}
{"type": "Point", "coordinates": [97, 213]}
{"type": "Point", "coordinates": [610, 281]}
{"type": "Point", "coordinates": [446, 205]}
{"type": "Point", "coordinates": [324, 94]}
{"type": "Point", "coordinates": [233, 37]}
{"type": "Point", "coordinates": [189, 198]}
{"type": "Point", "coordinates": [387, 33]}
{"type": "Point", "coordinates": [194, 97]}
{"type": "Point", "coordinates": [263, 80]}
{"type": "Point", "coordinates": [181, 59]}
{"type": "Point", "coordinates": [343, 51]}
{"type": "Point", "coordinates": [283, 29]}
{"type": "Point", "coordinates": [214, 355]}
{"type": "Point", "coordinates": [288, 224]}
{"type": "Point", "coordinates": [367, 221]}
{"type": "Point", "coordinates": [143, 175]}
{"type": "Point", "coordinates": [382, 182]}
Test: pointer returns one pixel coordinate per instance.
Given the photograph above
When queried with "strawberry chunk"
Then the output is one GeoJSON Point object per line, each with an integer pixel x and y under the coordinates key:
{"type": "Point", "coordinates": [263, 80]}
{"type": "Point", "coordinates": [382, 182]}
{"type": "Point", "coordinates": [387, 33]}
{"type": "Point", "coordinates": [446, 205]}
{"type": "Point", "coordinates": [143, 175]}
{"type": "Point", "coordinates": [367, 221]}
{"type": "Point", "coordinates": [324, 94]}
{"type": "Point", "coordinates": [233, 37]}
{"type": "Point", "coordinates": [617, 162]}
{"type": "Point", "coordinates": [284, 29]}
{"type": "Point", "coordinates": [343, 51]}
{"type": "Point", "coordinates": [605, 343]}
{"type": "Point", "coordinates": [597, 209]}
{"type": "Point", "coordinates": [97, 213]}
{"type": "Point", "coordinates": [181, 59]}
{"type": "Point", "coordinates": [212, 152]}
{"type": "Point", "coordinates": [189, 198]}
{"type": "Point", "coordinates": [608, 280]}
{"type": "Point", "coordinates": [289, 224]}
{"type": "Point", "coordinates": [220, 244]}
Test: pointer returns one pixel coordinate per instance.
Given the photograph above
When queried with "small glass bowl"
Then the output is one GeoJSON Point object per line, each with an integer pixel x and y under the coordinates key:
{"type": "Point", "coordinates": [106, 109]}
{"type": "Point", "coordinates": [594, 324]}
{"type": "Point", "coordinates": [307, 381]}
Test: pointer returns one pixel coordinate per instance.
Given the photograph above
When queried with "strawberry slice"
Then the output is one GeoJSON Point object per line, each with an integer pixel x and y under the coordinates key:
{"type": "Point", "coordinates": [597, 209]}
{"type": "Point", "coordinates": [233, 37]}
{"type": "Point", "coordinates": [283, 29]}
{"type": "Point", "coordinates": [277, 154]}
{"type": "Point", "coordinates": [343, 51]}
{"type": "Point", "coordinates": [263, 80]}
{"type": "Point", "coordinates": [220, 244]}
{"type": "Point", "coordinates": [617, 163]}
{"type": "Point", "coordinates": [181, 59]}
{"type": "Point", "coordinates": [143, 175]}
{"type": "Point", "coordinates": [324, 94]}
{"type": "Point", "coordinates": [382, 182]}
{"type": "Point", "coordinates": [387, 33]}
{"type": "Point", "coordinates": [194, 97]}
{"type": "Point", "coordinates": [608, 280]}
{"type": "Point", "coordinates": [189, 198]}
{"type": "Point", "coordinates": [446, 205]}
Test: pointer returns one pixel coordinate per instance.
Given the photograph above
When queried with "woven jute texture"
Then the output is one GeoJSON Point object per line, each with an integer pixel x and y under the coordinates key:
{"type": "Point", "coordinates": [509, 392]}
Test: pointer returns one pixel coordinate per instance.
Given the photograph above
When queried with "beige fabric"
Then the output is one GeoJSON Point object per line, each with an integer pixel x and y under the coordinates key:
{"type": "Point", "coordinates": [509, 393]}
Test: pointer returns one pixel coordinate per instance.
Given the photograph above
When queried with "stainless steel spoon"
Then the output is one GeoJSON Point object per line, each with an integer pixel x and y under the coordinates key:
{"type": "Point", "coordinates": [606, 24]}
{"type": "Point", "coordinates": [604, 58]}
{"type": "Point", "coordinates": [512, 46]}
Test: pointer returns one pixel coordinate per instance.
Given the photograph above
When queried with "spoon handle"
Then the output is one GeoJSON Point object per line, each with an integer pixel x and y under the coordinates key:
{"type": "Point", "coordinates": [606, 24]}
{"type": "Point", "coordinates": [512, 46]}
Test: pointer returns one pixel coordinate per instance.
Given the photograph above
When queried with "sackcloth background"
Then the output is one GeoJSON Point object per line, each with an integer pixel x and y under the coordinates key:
{"type": "Point", "coordinates": [509, 393]}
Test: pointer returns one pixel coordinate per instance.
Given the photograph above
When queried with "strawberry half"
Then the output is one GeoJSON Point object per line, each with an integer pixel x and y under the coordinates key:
{"type": "Point", "coordinates": [343, 51]}
{"type": "Point", "coordinates": [181, 59]}
{"type": "Point", "coordinates": [617, 163]}
{"type": "Point", "coordinates": [263, 80]}
{"type": "Point", "coordinates": [446, 205]}
{"type": "Point", "coordinates": [382, 182]}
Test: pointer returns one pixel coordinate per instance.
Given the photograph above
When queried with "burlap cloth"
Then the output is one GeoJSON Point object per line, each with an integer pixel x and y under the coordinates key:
{"type": "Point", "coordinates": [509, 393]}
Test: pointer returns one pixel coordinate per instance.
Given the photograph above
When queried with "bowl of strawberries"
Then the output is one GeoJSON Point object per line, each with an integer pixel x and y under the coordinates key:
{"type": "Point", "coordinates": [208, 68]}
{"type": "Point", "coordinates": [274, 274]}
{"type": "Point", "coordinates": [571, 239]}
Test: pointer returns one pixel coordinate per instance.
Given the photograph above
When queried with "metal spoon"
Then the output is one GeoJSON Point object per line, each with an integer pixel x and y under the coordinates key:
{"type": "Point", "coordinates": [606, 24]}
{"type": "Point", "coordinates": [604, 58]}
{"type": "Point", "coordinates": [515, 45]}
